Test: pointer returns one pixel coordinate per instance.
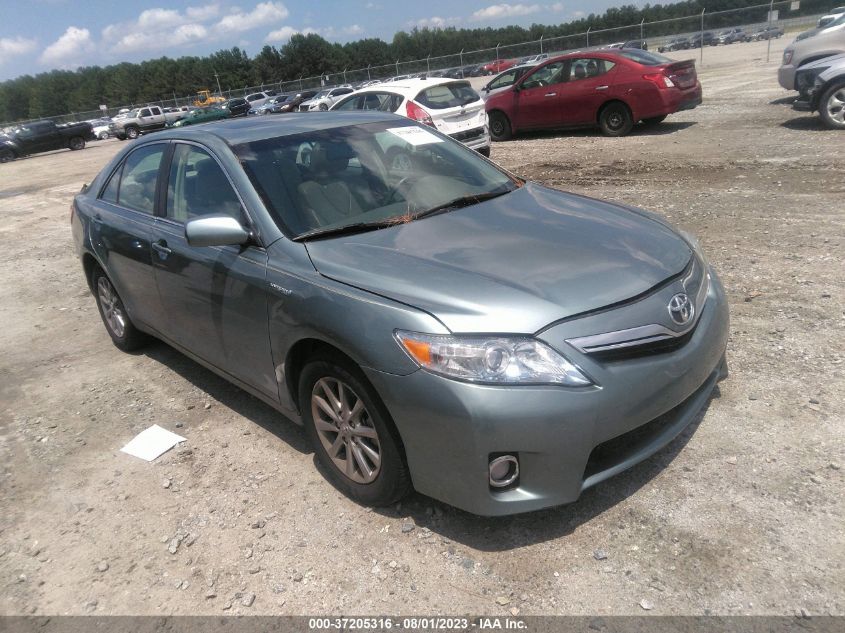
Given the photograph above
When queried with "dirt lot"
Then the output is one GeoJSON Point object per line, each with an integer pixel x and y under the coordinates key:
{"type": "Point", "coordinates": [742, 515]}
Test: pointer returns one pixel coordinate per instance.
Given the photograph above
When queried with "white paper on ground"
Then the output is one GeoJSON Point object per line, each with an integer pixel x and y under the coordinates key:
{"type": "Point", "coordinates": [152, 442]}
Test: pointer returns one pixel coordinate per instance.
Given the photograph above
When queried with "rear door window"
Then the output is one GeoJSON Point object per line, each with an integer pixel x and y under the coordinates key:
{"type": "Point", "coordinates": [585, 68]}
{"type": "Point", "coordinates": [451, 95]}
{"type": "Point", "coordinates": [139, 176]}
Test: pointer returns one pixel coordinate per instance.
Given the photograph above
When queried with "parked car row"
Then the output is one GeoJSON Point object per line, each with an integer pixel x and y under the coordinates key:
{"type": "Point", "coordinates": [725, 37]}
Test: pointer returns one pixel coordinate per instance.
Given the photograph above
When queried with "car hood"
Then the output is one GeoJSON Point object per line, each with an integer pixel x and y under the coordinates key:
{"type": "Point", "coordinates": [511, 264]}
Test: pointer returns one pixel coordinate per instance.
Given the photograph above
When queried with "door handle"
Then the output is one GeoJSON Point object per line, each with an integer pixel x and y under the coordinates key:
{"type": "Point", "coordinates": [551, 94]}
{"type": "Point", "coordinates": [97, 219]}
{"type": "Point", "coordinates": [160, 247]}
{"type": "Point", "coordinates": [602, 87]}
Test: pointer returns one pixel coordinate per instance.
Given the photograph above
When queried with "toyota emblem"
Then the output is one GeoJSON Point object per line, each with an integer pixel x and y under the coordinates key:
{"type": "Point", "coordinates": [681, 309]}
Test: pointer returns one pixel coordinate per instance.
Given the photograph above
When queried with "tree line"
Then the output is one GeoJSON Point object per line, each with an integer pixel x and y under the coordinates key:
{"type": "Point", "coordinates": [60, 92]}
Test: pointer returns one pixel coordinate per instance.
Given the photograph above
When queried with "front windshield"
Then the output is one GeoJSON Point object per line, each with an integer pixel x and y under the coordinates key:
{"type": "Point", "coordinates": [376, 173]}
{"type": "Point", "coordinates": [324, 93]}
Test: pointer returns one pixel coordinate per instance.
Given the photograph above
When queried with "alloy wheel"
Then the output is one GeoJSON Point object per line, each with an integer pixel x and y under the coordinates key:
{"type": "Point", "coordinates": [836, 106]}
{"type": "Point", "coordinates": [346, 430]}
{"type": "Point", "coordinates": [112, 307]}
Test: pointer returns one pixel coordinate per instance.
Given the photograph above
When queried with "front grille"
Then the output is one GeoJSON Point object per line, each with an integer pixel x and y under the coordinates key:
{"type": "Point", "coordinates": [651, 348]}
{"type": "Point", "coordinates": [468, 135]}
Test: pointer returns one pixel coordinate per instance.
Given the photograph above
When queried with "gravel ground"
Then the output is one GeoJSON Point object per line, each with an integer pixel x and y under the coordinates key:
{"type": "Point", "coordinates": [741, 515]}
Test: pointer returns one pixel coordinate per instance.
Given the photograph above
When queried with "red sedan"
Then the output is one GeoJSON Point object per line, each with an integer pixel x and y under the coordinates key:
{"type": "Point", "coordinates": [610, 89]}
{"type": "Point", "coordinates": [497, 66]}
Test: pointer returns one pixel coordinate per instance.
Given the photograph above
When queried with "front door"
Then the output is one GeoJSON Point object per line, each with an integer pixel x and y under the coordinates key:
{"type": "Point", "coordinates": [537, 99]}
{"type": "Point", "coordinates": [214, 297]}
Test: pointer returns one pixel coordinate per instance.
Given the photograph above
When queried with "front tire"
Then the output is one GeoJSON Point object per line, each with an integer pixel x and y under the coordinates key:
{"type": "Point", "coordinates": [353, 436]}
{"type": "Point", "coordinates": [832, 107]}
{"type": "Point", "coordinates": [615, 119]}
{"type": "Point", "coordinates": [323, 107]}
{"type": "Point", "coordinates": [103, 136]}
{"type": "Point", "coordinates": [500, 127]}
{"type": "Point", "coordinates": [6, 155]}
{"type": "Point", "coordinates": [132, 132]}
{"type": "Point", "coordinates": [125, 336]}
{"type": "Point", "coordinates": [76, 143]}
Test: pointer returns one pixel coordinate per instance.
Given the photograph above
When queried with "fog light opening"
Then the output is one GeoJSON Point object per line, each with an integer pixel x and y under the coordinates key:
{"type": "Point", "coordinates": [504, 471]}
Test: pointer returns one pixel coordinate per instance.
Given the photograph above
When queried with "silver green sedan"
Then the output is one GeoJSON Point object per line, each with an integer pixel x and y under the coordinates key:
{"type": "Point", "coordinates": [432, 320]}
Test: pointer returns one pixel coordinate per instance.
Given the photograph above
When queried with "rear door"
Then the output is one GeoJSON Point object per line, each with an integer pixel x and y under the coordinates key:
{"type": "Point", "coordinates": [454, 107]}
{"type": "Point", "coordinates": [537, 103]}
{"type": "Point", "coordinates": [214, 296]}
{"type": "Point", "coordinates": [589, 82]}
{"type": "Point", "coordinates": [121, 231]}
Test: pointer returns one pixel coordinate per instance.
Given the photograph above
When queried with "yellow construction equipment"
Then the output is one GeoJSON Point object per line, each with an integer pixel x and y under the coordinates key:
{"type": "Point", "coordinates": [205, 98]}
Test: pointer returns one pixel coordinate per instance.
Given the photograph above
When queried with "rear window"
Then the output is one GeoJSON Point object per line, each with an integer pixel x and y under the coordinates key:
{"type": "Point", "coordinates": [451, 95]}
{"type": "Point", "coordinates": [645, 58]}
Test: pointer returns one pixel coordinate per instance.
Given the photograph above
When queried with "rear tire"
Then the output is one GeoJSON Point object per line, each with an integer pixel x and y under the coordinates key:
{"type": "Point", "coordinates": [655, 120]}
{"type": "Point", "coordinates": [615, 119]}
{"type": "Point", "coordinates": [103, 136]}
{"type": "Point", "coordinates": [76, 143]}
{"type": "Point", "coordinates": [331, 390]}
{"type": "Point", "coordinates": [500, 126]}
{"type": "Point", "coordinates": [125, 336]}
{"type": "Point", "coordinates": [6, 155]}
{"type": "Point", "coordinates": [832, 107]}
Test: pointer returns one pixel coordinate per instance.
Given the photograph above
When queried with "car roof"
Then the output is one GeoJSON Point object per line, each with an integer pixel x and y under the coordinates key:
{"type": "Point", "coordinates": [410, 86]}
{"type": "Point", "coordinates": [247, 130]}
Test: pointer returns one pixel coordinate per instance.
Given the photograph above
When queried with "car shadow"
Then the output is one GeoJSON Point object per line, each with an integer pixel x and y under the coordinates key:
{"type": "Point", "coordinates": [494, 534]}
{"type": "Point", "coordinates": [809, 123]}
{"type": "Point", "coordinates": [667, 127]}
{"type": "Point", "coordinates": [783, 100]}
{"type": "Point", "coordinates": [229, 395]}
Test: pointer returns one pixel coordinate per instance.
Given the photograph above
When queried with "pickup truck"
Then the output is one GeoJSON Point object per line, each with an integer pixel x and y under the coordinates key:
{"type": "Point", "coordinates": [137, 122]}
{"type": "Point", "coordinates": [43, 136]}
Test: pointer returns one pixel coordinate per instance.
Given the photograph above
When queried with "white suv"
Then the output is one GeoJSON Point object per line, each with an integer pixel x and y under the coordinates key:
{"type": "Point", "coordinates": [451, 106]}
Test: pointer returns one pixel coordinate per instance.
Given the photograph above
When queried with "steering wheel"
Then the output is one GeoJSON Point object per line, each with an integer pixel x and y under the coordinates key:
{"type": "Point", "coordinates": [390, 197]}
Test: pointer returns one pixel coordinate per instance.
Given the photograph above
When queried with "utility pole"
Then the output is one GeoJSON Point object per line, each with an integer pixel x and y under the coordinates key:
{"type": "Point", "coordinates": [701, 42]}
{"type": "Point", "coordinates": [368, 73]}
{"type": "Point", "coordinates": [769, 38]}
{"type": "Point", "coordinates": [541, 43]}
{"type": "Point", "coordinates": [641, 29]}
{"type": "Point", "coordinates": [217, 77]}
{"type": "Point", "coordinates": [588, 36]}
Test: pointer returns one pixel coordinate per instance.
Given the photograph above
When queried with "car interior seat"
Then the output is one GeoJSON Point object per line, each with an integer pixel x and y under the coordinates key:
{"type": "Point", "coordinates": [324, 193]}
{"type": "Point", "coordinates": [580, 72]}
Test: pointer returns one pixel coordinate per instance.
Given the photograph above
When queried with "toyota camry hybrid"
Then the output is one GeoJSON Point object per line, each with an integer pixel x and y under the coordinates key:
{"type": "Point", "coordinates": [435, 323]}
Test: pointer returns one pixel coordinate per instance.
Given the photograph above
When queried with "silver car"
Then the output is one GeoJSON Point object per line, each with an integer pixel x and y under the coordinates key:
{"type": "Point", "coordinates": [491, 342]}
{"type": "Point", "coordinates": [811, 46]}
{"type": "Point", "coordinates": [822, 88]}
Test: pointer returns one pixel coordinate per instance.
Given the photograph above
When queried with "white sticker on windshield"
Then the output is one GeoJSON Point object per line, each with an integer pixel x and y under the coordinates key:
{"type": "Point", "coordinates": [415, 135]}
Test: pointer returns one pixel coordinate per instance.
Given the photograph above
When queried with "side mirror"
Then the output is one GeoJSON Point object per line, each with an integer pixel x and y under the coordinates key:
{"type": "Point", "coordinates": [215, 231]}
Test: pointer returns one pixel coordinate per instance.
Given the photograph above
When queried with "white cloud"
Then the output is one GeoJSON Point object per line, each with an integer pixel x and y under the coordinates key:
{"type": "Point", "coordinates": [201, 14]}
{"type": "Point", "coordinates": [435, 22]}
{"type": "Point", "coordinates": [69, 49]}
{"type": "Point", "coordinates": [263, 14]}
{"type": "Point", "coordinates": [159, 19]}
{"type": "Point", "coordinates": [281, 35]}
{"type": "Point", "coordinates": [155, 29]}
{"type": "Point", "coordinates": [504, 10]}
{"type": "Point", "coordinates": [9, 47]}
{"type": "Point", "coordinates": [557, 7]}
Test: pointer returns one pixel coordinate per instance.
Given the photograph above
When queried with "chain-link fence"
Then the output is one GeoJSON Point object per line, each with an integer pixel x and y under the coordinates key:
{"type": "Point", "coordinates": [688, 32]}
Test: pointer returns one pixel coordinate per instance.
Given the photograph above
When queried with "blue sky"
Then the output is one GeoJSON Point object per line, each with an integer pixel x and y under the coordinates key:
{"type": "Point", "coordinates": [40, 35]}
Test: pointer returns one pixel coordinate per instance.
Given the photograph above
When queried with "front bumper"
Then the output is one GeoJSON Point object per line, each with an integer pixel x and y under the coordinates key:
{"type": "Point", "coordinates": [567, 440]}
{"type": "Point", "coordinates": [786, 76]}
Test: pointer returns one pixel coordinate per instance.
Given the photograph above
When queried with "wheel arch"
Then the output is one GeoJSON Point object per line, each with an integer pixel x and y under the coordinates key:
{"type": "Point", "coordinates": [611, 101]}
{"type": "Point", "coordinates": [298, 356]}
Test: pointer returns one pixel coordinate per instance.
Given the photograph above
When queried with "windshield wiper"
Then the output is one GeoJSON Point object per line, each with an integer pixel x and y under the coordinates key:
{"type": "Point", "coordinates": [346, 229]}
{"type": "Point", "coordinates": [458, 203]}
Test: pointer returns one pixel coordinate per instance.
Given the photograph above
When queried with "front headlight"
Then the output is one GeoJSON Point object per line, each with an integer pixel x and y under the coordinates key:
{"type": "Point", "coordinates": [787, 57]}
{"type": "Point", "coordinates": [496, 360]}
